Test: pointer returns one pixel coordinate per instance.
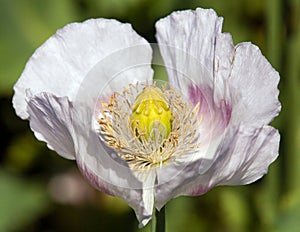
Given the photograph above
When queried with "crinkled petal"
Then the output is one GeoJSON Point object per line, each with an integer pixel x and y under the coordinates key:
{"type": "Point", "coordinates": [243, 157]}
{"type": "Point", "coordinates": [193, 33]}
{"type": "Point", "coordinates": [63, 61]}
{"type": "Point", "coordinates": [51, 122]}
{"type": "Point", "coordinates": [173, 176]}
{"type": "Point", "coordinates": [193, 47]}
{"type": "Point", "coordinates": [198, 59]}
{"type": "Point", "coordinates": [60, 89]}
{"type": "Point", "coordinates": [249, 153]}
{"type": "Point", "coordinates": [253, 86]}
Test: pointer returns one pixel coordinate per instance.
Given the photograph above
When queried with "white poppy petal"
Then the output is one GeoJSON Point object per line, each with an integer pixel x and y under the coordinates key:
{"type": "Point", "coordinates": [63, 61]}
{"type": "Point", "coordinates": [253, 85]}
{"type": "Point", "coordinates": [192, 34]}
{"type": "Point", "coordinates": [244, 156]}
{"type": "Point", "coordinates": [172, 179]}
{"type": "Point", "coordinates": [251, 153]}
{"type": "Point", "coordinates": [103, 168]}
{"type": "Point", "coordinates": [223, 59]}
{"type": "Point", "coordinates": [193, 47]}
{"type": "Point", "coordinates": [51, 122]}
{"type": "Point", "coordinates": [240, 76]}
{"type": "Point", "coordinates": [198, 59]}
{"type": "Point", "coordinates": [115, 73]}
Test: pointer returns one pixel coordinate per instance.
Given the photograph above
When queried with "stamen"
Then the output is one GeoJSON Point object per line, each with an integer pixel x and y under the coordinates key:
{"type": "Point", "coordinates": [150, 126]}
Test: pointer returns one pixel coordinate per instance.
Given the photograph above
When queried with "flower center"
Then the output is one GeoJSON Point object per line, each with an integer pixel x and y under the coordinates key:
{"type": "Point", "coordinates": [151, 115]}
{"type": "Point", "coordinates": [148, 126]}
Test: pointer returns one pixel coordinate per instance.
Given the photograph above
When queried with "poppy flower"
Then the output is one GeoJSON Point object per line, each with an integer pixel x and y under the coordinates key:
{"type": "Point", "coordinates": [88, 93]}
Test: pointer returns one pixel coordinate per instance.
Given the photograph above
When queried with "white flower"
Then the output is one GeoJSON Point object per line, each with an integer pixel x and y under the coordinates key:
{"type": "Point", "coordinates": [82, 88]}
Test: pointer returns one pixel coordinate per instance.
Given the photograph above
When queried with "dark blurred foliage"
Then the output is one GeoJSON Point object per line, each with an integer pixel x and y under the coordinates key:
{"type": "Point", "coordinates": [40, 191]}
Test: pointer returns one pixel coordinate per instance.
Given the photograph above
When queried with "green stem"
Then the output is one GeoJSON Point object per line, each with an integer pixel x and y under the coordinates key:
{"type": "Point", "coordinates": [158, 223]}
{"type": "Point", "coordinates": [160, 220]}
{"type": "Point", "coordinates": [153, 221]}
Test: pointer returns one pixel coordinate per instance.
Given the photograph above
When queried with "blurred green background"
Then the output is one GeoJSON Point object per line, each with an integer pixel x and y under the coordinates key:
{"type": "Point", "coordinates": [40, 191]}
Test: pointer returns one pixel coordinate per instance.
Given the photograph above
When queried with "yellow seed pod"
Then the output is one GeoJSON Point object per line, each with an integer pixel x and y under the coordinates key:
{"type": "Point", "coordinates": [151, 115]}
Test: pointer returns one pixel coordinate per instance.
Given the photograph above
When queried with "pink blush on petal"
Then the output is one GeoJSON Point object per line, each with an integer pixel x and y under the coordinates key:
{"type": "Point", "coordinates": [203, 96]}
{"type": "Point", "coordinates": [199, 190]}
{"type": "Point", "coordinates": [215, 115]}
{"type": "Point", "coordinates": [226, 111]}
